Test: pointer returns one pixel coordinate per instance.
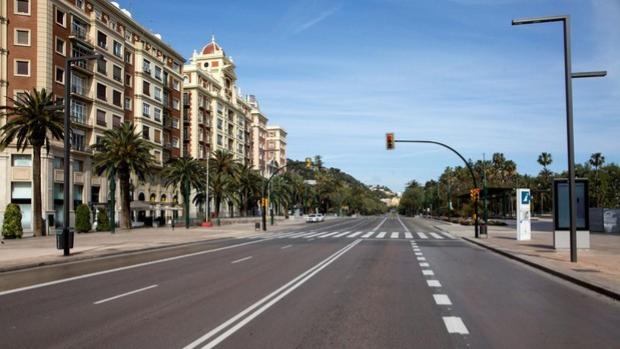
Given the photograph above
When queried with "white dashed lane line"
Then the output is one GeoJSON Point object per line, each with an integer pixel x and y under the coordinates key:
{"type": "Point", "coordinates": [433, 283]}
{"type": "Point", "coordinates": [454, 324]}
{"type": "Point", "coordinates": [442, 299]}
{"type": "Point", "coordinates": [427, 272]}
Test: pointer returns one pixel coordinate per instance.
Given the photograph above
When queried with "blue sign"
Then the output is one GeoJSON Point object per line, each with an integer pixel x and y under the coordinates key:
{"type": "Point", "coordinates": [525, 197]}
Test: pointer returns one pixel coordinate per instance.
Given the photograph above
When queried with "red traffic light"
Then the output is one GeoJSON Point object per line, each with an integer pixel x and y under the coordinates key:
{"type": "Point", "coordinates": [389, 139]}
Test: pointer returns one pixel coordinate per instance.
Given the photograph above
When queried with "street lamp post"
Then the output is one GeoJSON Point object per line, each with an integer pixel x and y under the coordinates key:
{"type": "Point", "coordinates": [568, 76]}
{"type": "Point", "coordinates": [67, 144]}
{"type": "Point", "coordinates": [266, 196]}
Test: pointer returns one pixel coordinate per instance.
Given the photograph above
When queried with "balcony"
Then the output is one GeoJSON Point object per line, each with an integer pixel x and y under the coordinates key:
{"type": "Point", "coordinates": [79, 32]}
{"type": "Point", "coordinates": [84, 67]}
{"type": "Point", "coordinates": [80, 120]}
{"type": "Point", "coordinates": [81, 92]}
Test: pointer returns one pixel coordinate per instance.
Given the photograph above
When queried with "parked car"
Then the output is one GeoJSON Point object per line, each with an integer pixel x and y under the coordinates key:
{"type": "Point", "coordinates": [315, 218]}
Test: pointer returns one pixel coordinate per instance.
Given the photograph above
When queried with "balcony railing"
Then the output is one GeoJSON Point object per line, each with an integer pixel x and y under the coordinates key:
{"type": "Point", "coordinates": [79, 119]}
{"type": "Point", "coordinates": [79, 31]}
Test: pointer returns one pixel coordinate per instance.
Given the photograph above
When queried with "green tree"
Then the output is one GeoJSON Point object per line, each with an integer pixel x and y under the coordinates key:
{"type": "Point", "coordinates": [103, 222]}
{"type": "Point", "coordinates": [596, 161]}
{"type": "Point", "coordinates": [223, 168]}
{"type": "Point", "coordinates": [249, 185]}
{"type": "Point", "coordinates": [82, 219]}
{"type": "Point", "coordinates": [12, 224]}
{"type": "Point", "coordinates": [34, 119]}
{"type": "Point", "coordinates": [121, 153]}
{"type": "Point", "coordinates": [185, 173]}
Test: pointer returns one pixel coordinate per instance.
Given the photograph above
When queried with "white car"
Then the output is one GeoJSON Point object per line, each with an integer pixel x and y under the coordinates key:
{"type": "Point", "coordinates": [315, 218]}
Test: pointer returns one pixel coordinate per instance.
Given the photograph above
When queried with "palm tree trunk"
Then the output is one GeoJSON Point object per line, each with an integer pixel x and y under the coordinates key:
{"type": "Point", "coordinates": [125, 199]}
{"type": "Point", "coordinates": [36, 192]}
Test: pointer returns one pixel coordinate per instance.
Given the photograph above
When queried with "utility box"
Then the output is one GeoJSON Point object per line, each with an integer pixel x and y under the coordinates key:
{"type": "Point", "coordinates": [524, 216]}
{"type": "Point", "coordinates": [561, 214]}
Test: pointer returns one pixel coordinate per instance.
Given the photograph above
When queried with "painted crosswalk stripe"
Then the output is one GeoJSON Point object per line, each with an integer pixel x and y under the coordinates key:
{"type": "Point", "coordinates": [418, 253]}
{"type": "Point", "coordinates": [421, 258]}
{"type": "Point", "coordinates": [341, 234]}
{"type": "Point", "coordinates": [328, 234]}
{"type": "Point", "coordinates": [422, 236]}
{"type": "Point", "coordinates": [449, 236]}
{"type": "Point", "coordinates": [454, 324]}
{"type": "Point", "coordinates": [442, 299]}
{"type": "Point", "coordinates": [296, 236]}
{"type": "Point", "coordinates": [424, 265]}
{"type": "Point", "coordinates": [287, 235]}
{"type": "Point", "coordinates": [367, 235]}
{"type": "Point", "coordinates": [313, 235]}
{"type": "Point", "coordinates": [437, 236]}
{"type": "Point", "coordinates": [408, 235]}
{"type": "Point", "coordinates": [433, 283]}
{"type": "Point", "coordinates": [427, 272]}
{"type": "Point", "coordinates": [395, 235]}
{"type": "Point", "coordinates": [355, 234]}
{"type": "Point", "coordinates": [381, 235]}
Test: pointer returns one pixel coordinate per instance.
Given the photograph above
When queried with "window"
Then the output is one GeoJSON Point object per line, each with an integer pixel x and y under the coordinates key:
{"type": "Point", "coordinates": [102, 40]}
{"type": "Point", "coordinates": [78, 85]}
{"type": "Point", "coordinates": [22, 68]}
{"type": "Point", "coordinates": [176, 85]}
{"type": "Point", "coordinates": [175, 142]}
{"type": "Point", "coordinates": [146, 88]}
{"type": "Point", "coordinates": [128, 80]}
{"type": "Point", "coordinates": [157, 136]}
{"type": "Point", "coordinates": [116, 121]}
{"type": "Point", "coordinates": [22, 37]}
{"type": "Point", "coordinates": [60, 46]}
{"type": "Point", "coordinates": [146, 110]}
{"type": "Point", "coordinates": [101, 118]}
{"type": "Point", "coordinates": [77, 195]}
{"type": "Point", "coordinates": [117, 73]}
{"type": "Point", "coordinates": [21, 160]}
{"type": "Point", "coordinates": [157, 114]}
{"type": "Point", "coordinates": [59, 77]}
{"type": "Point", "coordinates": [117, 98]}
{"type": "Point", "coordinates": [175, 104]}
{"type": "Point", "coordinates": [127, 103]}
{"type": "Point", "coordinates": [22, 7]}
{"type": "Point", "coordinates": [145, 132]}
{"type": "Point", "coordinates": [157, 93]}
{"type": "Point", "coordinates": [175, 123]}
{"type": "Point", "coordinates": [21, 194]}
{"type": "Point", "coordinates": [79, 28]}
{"type": "Point", "coordinates": [79, 3]}
{"type": "Point", "coordinates": [219, 124]}
{"type": "Point", "coordinates": [117, 49]}
{"type": "Point", "coordinates": [58, 163]}
{"type": "Point", "coordinates": [176, 67]}
{"type": "Point", "coordinates": [146, 66]}
{"type": "Point", "coordinates": [61, 18]}
{"type": "Point", "coordinates": [77, 140]}
{"type": "Point", "coordinates": [128, 58]}
{"type": "Point", "coordinates": [102, 66]}
{"type": "Point", "coordinates": [78, 111]}
{"type": "Point", "coordinates": [78, 165]}
{"type": "Point", "coordinates": [157, 73]}
{"type": "Point", "coordinates": [94, 194]}
{"type": "Point", "coordinates": [219, 139]}
{"type": "Point", "coordinates": [101, 92]}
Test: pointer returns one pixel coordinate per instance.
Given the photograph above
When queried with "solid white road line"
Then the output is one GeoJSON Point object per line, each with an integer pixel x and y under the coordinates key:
{"type": "Point", "coordinates": [285, 247]}
{"type": "Point", "coordinates": [381, 235]}
{"type": "Point", "coordinates": [448, 235]}
{"type": "Point", "coordinates": [103, 272]}
{"type": "Point", "coordinates": [442, 299]}
{"type": "Point", "coordinates": [125, 294]}
{"type": "Point", "coordinates": [380, 224]}
{"type": "Point", "coordinates": [437, 236]}
{"type": "Point", "coordinates": [427, 272]}
{"type": "Point", "coordinates": [422, 236]}
{"type": "Point", "coordinates": [424, 265]}
{"type": "Point", "coordinates": [367, 235]}
{"type": "Point", "coordinates": [433, 283]}
{"type": "Point", "coordinates": [270, 300]}
{"type": "Point", "coordinates": [421, 258]}
{"type": "Point", "coordinates": [327, 234]}
{"type": "Point", "coordinates": [355, 234]}
{"type": "Point", "coordinates": [403, 224]}
{"type": "Point", "coordinates": [395, 235]}
{"type": "Point", "coordinates": [408, 235]}
{"type": "Point", "coordinates": [454, 324]}
{"type": "Point", "coordinates": [341, 234]}
{"type": "Point", "coordinates": [241, 260]}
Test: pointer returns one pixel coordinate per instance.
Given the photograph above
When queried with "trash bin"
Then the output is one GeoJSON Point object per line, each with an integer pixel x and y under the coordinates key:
{"type": "Point", "coordinates": [60, 242]}
{"type": "Point", "coordinates": [257, 226]}
{"type": "Point", "coordinates": [483, 229]}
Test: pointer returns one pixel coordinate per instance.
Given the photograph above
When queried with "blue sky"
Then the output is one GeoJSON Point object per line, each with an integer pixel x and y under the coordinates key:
{"type": "Point", "coordinates": [339, 74]}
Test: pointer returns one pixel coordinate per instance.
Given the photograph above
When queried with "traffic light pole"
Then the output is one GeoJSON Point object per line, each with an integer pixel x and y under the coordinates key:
{"type": "Point", "coordinates": [471, 172]}
{"type": "Point", "coordinates": [265, 198]}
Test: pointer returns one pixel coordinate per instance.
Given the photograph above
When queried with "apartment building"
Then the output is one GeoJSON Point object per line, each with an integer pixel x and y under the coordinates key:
{"type": "Point", "coordinates": [275, 148]}
{"type": "Point", "coordinates": [139, 80]}
{"type": "Point", "coordinates": [259, 137]}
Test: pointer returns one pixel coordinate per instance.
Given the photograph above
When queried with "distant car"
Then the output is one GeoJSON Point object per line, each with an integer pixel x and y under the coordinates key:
{"type": "Point", "coordinates": [315, 218]}
{"type": "Point", "coordinates": [320, 217]}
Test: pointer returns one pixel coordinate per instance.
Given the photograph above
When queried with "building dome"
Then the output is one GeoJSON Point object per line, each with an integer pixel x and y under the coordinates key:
{"type": "Point", "coordinates": [212, 47]}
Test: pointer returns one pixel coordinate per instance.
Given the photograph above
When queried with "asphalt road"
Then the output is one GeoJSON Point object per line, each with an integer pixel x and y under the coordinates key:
{"type": "Point", "coordinates": [373, 282]}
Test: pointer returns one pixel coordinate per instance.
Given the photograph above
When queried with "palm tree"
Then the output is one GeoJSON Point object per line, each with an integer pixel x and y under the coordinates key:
{"type": "Point", "coordinates": [597, 160]}
{"type": "Point", "coordinates": [31, 120]}
{"type": "Point", "coordinates": [249, 186]}
{"type": "Point", "coordinates": [187, 173]}
{"type": "Point", "coordinates": [544, 159]}
{"type": "Point", "coordinates": [121, 152]}
{"type": "Point", "coordinates": [223, 168]}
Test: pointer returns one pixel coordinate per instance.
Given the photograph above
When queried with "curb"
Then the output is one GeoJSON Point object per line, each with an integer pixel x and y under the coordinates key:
{"type": "Point", "coordinates": [590, 286]}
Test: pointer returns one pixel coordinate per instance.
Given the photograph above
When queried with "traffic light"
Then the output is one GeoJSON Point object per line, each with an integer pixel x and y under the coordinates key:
{"type": "Point", "coordinates": [389, 139]}
{"type": "Point", "coordinates": [474, 194]}
{"type": "Point", "coordinates": [308, 163]}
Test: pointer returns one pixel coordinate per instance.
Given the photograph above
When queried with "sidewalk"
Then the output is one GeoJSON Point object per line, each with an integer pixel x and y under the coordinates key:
{"type": "Point", "coordinates": [598, 266]}
{"type": "Point", "coordinates": [30, 252]}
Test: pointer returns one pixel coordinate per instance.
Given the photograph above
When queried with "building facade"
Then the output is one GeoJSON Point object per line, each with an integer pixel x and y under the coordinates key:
{"type": "Point", "coordinates": [139, 80]}
{"type": "Point", "coordinates": [275, 148]}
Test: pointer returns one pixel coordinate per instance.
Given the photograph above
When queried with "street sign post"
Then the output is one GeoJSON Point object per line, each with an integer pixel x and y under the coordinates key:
{"type": "Point", "coordinates": [524, 224]}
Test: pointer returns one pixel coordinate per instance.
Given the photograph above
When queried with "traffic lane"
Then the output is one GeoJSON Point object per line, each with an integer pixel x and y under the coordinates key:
{"type": "Point", "coordinates": [374, 296]}
{"type": "Point", "coordinates": [506, 304]}
{"type": "Point", "coordinates": [192, 293]}
{"type": "Point", "coordinates": [347, 224]}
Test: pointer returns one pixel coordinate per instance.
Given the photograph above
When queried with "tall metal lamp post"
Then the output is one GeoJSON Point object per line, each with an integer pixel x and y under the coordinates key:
{"type": "Point", "coordinates": [568, 76]}
{"type": "Point", "coordinates": [67, 143]}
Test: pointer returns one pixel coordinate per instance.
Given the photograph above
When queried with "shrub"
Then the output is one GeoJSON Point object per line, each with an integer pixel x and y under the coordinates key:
{"type": "Point", "coordinates": [12, 226]}
{"type": "Point", "coordinates": [82, 219]}
{"type": "Point", "coordinates": [103, 222]}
